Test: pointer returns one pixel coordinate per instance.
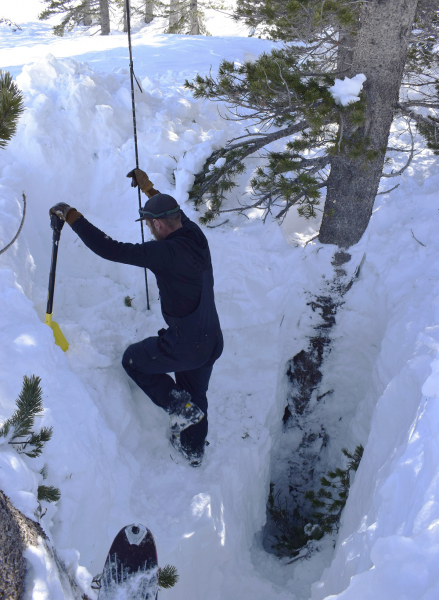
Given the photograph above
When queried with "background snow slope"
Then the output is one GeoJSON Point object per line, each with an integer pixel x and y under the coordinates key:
{"type": "Point", "coordinates": [109, 454]}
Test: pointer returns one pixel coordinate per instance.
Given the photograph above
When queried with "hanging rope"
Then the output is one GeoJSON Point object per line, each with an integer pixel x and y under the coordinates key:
{"type": "Point", "coordinates": [132, 77]}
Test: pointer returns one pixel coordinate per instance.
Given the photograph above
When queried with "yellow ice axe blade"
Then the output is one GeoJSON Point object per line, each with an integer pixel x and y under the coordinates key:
{"type": "Point", "coordinates": [60, 340]}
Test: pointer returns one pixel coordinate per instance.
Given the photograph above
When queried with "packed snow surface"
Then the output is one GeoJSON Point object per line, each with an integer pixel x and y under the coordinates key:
{"type": "Point", "coordinates": [109, 454]}
{"type": "Point", "coordinates": [347, 91]}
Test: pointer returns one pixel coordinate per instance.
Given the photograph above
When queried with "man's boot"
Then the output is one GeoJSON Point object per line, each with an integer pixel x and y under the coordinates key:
{"type": "Point", "coordinates": [194, 457]}
{"type": "Point", "coordinates": [184, 413]}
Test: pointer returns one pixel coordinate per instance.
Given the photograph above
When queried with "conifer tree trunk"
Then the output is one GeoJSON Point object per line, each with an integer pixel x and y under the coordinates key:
{"type": "Point", "coordinates": [379, 51]}
{"type": "Point", "coordinates": [194, 22]}
{"type": "Point", "coordinates": [125, 20]}
{"type": "Point", "coordinates": [87, 20]}
{"type": "Point", "coordinates": [173, 13]}
{"type": "Point", "coordinates": [105, 17]}
{"type": "Point", "coordinates": [149, 11]}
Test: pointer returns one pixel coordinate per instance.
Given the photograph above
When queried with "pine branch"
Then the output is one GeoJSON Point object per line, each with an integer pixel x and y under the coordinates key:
{"type": "Point", "coordinates": [48, 493]}
{"type": "Point", "coordinates": [18, 428]}
{"type": "Point", "coordinates": [29, 406]}
{"type": "Point", "coordinates": [11, 24]}
{"type": "Point", "coordinates": [210, 178]}
{"type": "Point", "coordinates": [168, 577]}
{"type": "Point", "coordinates": [36, 442]}
{"type": "Point", "coordinates": [75, 12]}
{"type": "Point", "coordinates": [11, 107]}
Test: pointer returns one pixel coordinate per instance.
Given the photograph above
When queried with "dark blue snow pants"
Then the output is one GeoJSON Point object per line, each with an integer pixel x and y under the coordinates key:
{"type": "Point", "coordinates": [148, 365]}
{"type": "Point", "coordinates": [188, 348]}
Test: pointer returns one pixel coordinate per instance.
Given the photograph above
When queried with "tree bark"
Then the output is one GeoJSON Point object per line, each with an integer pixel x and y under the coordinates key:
{"type": "Point", "coordinates": [125, 20]}
{"type": "Point", "coordinates": [380, 52]}
{"type": "Point", "coordinates": [87, 20]}
{"type": "Point", "coordinates": [105, 17]}
{"type": "Point", "coordinates": [194, 21]}
{"type": "Point", "coordinates": [17, 532]}
{"type": "Point", "coordinates": [149, 11]}
{"type": "Point", "coordinates": [174, 13]}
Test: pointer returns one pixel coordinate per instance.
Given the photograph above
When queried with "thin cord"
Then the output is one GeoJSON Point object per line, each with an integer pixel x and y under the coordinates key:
{"type": "Point", "coordinates": [127, 8]}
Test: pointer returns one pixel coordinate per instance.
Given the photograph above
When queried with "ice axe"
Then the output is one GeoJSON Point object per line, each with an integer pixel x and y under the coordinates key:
{"type": "Point", "coordinates": [56, 224]}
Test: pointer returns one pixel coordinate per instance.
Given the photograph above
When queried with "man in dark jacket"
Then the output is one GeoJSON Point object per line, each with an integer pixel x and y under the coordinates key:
{"type": "Point", "coordinates": [180, 259]}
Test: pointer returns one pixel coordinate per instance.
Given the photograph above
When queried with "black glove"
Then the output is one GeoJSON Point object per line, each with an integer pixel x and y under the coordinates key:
{"type": "Point", "coordinates": [60, 210]}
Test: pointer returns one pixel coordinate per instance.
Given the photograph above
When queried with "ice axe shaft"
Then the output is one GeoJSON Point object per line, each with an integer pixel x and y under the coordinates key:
{"type": "Point", "coordinates": [57, 224]}
{"type": "Point", "coordinates": [132, 76]}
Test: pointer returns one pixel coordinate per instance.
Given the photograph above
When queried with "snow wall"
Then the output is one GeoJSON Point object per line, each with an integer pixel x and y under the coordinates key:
{"type": "Point", "coordinates": [109, 454]}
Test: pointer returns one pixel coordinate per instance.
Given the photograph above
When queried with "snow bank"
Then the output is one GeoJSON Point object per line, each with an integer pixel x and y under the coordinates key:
{"type": "Point", "coordinates": [109, 454]}
{"type": "Point", "coordinates": [388, 544]}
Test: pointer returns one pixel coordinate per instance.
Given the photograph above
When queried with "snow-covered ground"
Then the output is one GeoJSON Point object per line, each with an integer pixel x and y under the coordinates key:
{"type": "Point", "coordinates": [109, 454]}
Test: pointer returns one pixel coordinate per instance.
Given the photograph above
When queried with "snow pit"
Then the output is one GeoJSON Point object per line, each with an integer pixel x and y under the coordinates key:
{"type": "Point", "coordinates": [109, 454]}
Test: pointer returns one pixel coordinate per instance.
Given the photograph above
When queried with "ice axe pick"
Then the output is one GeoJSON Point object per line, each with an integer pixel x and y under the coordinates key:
{"type": "Point", "coordinates": [56, 224]}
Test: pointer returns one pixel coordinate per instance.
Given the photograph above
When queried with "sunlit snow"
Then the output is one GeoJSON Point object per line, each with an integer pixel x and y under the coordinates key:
{"type": "Point", "coordinates": [109, 454]}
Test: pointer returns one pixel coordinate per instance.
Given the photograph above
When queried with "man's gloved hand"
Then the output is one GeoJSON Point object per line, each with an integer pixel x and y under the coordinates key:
{"type": "Point", "coordinates": [60, 210]}
{"type": "Point", "coordinates": [141, 179]}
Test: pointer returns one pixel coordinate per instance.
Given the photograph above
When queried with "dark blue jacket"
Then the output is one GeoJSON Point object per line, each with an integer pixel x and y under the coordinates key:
{"type": "Point", "coordinates": [182, 266]}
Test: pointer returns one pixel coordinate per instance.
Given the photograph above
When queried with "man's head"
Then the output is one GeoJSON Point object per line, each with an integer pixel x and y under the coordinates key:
{"type": "Point", "coordinates": [162, 215]}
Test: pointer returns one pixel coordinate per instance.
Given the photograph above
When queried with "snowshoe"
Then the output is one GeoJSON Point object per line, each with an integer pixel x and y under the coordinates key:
{"type": "Point", "coordinates": [184, 413]}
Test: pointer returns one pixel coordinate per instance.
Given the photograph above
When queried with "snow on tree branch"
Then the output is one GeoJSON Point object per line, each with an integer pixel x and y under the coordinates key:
{"type": "Point", "coordinates": [346, 91]}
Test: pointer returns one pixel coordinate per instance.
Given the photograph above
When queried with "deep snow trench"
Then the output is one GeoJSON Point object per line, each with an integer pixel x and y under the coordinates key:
{"type": "Point", "coordinates": [109, 454]}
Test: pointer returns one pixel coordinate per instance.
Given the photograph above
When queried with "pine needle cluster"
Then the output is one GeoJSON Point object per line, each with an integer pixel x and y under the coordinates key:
{"type": "Point", "coordinates": [168, 577]}
{"type": "Point", "coordinates": [330, 500]}
{"type": "Point", "coordinates": [128, 301]}
{"type": "Point", "coordinates": [49, 493]}
{"type": "Point", "coordinates": [11, 107]}
{"type": "Point", "coordinates": [18, 430]}
{"type": "Point", "coordinates": [286, 21]}
{"type": "Point", "coordinates": [290, 538]}
{"type": "Point", "coordinates": [294, 530]}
